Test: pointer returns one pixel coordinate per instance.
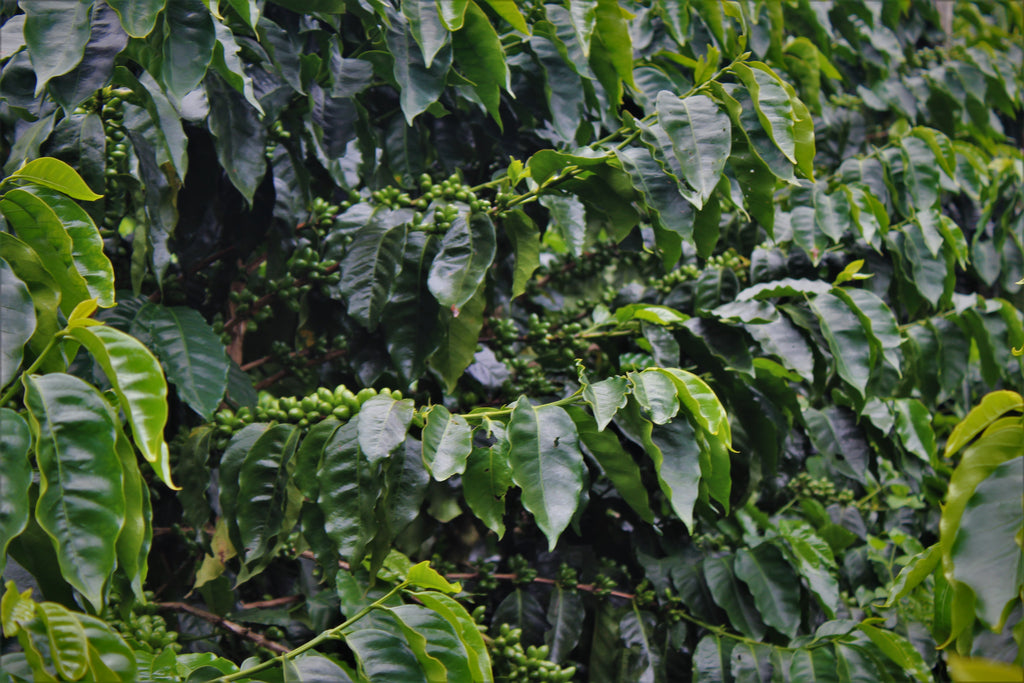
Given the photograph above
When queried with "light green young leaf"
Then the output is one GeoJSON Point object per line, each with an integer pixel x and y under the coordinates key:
{"type": "Point", "coordinates": [993, 406]}
{"type": "Point", "coordinates": [68, 643]}
{"type": "Point", "coordinates": [56, 175]}
{"type": "Point", "coordinates": [423, 575]}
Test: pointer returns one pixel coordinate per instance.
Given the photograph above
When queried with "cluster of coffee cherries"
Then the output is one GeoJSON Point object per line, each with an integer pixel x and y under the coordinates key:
{"type": "Point", "coordinates": [731, 259]}
{"type": "Point", "coordinates": [306, 266]}
{"type": "Point", "coordinates": [142, 628]}
{"type": "Point", "coordinates": [322, 214]}
{"type": "Point", "coordinates": [341, 403]}
{"type": "Point", "coordinates": [804, 485]}
{"type": "Point", "coordinates": [109, 104]}
{"type": "Point", "coordinates": [512, 662]}
{"type": "Point", "coordinates": [675, 277]}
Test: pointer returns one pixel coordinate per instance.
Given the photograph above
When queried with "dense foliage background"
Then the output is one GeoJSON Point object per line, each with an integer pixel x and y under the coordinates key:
{"type": "Point", "coordinates": [681, 338]}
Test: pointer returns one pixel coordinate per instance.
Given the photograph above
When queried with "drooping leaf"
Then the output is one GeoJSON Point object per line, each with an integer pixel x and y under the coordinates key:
{"type": "Point", "coordinates": [992, 406]}
{"type": "Point", "coordinates": [239, 136]}
{"type": "Point", "coordinates": [772, 104]}
{"type": "Point", "coordinates": [546, 464]}
{"type": "Point", "coordinates": [459, 335]}
{"type": "Point", "coordinates": [349, 488]}
{"type": "Point", "coordinates": [479, 55]}
{"type": "Point", "coordinates": [525, 238]}
{"type": "Point", "coordinates": [191, 353]}
{"type": "Point", "coordinates": [68, 643]}
{"type": "Point", "coordinates": [487, 478]}
{"type": "Point", "coordinates": [384, 656]}
{"type": "Point", "coordinates": [566, 615]}
{"type": "Point", "coordinates": [138, 381]}
{"type": "Point", "coordinates": [899, 650]}
{"type": "Point", "coordinates": [711, 660]}
{"type": "Point", "coordinates": [815, 562]}
{"type": "Point", "coordinates": [434, 642]}
{"type": "Point", "coordinates": [765, 571]}
{"type": "Point", "coordinates": [17, 322]}
{"type": "Point", "coordinates": [467, 250]}
{"type": "Point", "coordinates": [369, 268]}
{"type": "Point", "coordinates": [447, 442]}
{"type": "Point", "coordinates": [188, 44]}
{"type": "Point", "coordinates": [419, 85]}
{"type": "Point", "coordinates": [56, 34]}
{"type": "Point", "coordinates": [263, 479]}
{"type": "Point", "coordinates": [81, 497]}
{"type": "Point", "coordinates": [136, 536]}
{"type": "Point", "coordinates": [138, 17]}
{"type": "Point", "coordinates": [701, 138]}
{"type": "Point", "coordinates": [477, 654]}
{"type": "Point", "coordinates": [611, 29]}
{"type": "Point", "coordinates": [426, 27]}
{"type": "Point", "coordinates": [732, 596]}
{"type": "Point", "coordinates": [106, 40]}
{"type": "Point", "coordinates": [15, 478]}
{"type": "Point", "coordinates": [636, 633]}
{"type": "Point", "coordinates": [847, 339]}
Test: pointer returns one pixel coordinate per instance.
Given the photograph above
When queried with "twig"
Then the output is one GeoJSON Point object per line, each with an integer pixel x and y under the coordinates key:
{"type": "Point", "coordinates": [276, 602]}
{"type": "Point", "coordinates": [280, 374]}
{"type": "Point", "coordinates": [226, 624]}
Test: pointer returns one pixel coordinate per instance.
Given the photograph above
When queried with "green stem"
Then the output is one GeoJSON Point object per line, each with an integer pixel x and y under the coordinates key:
{"type": "Point", "coordinates": [32, 368]}
{"type": "Point", "coordinates": [309, 645]}
{"type": "Point", "coordinates": [502, 412]}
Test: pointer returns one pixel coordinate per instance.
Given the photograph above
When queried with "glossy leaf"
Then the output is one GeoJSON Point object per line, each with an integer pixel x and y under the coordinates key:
{"type": "Point", "coordinates": [487, 478]}
{"type": "Point", "coordinates": [763, 569]}
{"type": "Point", "coordinates": [138, 381]}
{"type": "Point", "coordinates": [106, 40]}
{"type": "Point", "coordinates": [656, 393]}
{"type": "Point", "coordinates": [15, 478]}
{"type": "Point", "coordinates": [110, 658]}
{"type": "Point", "coordinates": [17, 322]}
{"type": "Point", "coordinates": [384, 656]}
{"type": "Point", "coordinates": [56, 175]}
{"type": "Point", "coordinates": [479, 55]}
{"type": "Point", "coordinates": [566, 614]}
{"type": "Point", "coordinates": [46, 294]}
{"type": "Point", "coordinates": [369, 268]}
{"type": "Point", "coordinates": [899, 650]}
{"type": "Point", "coordinates": [617, 464]}
{"type": "Point", "coordinates": [68, 643]}
{"type": "Point", "coordinates": [751, 662]}
{"type": "Point", "coordinates": [702, 403]}
{"type": "Point", "coordinates": [525, 238]}
{"type": "Point", "coordinates": [611, 29]}
{"type": "Point", "coordinates": [546, 464]}
{"type": "Point", "coordinates": [711, 660]}
{"type": "Point", "coordinates": [349, 488]}
{"type": "Point", "coordinates": [410, 317]}
{"type": "Point", "coordinates": [191, 354]}
{"type": "Point", "coordinates": [636, 633]}
{"type": "Point", "coordinates": [56, 34]}
{"type": "Point", "coordinates": [992, 406]}
{"type": "Point", "coordinates": [701, 140]}
{"type": "Point", "coordinates": [731, 595]}
{"type": "Point", "coordinates": [188, 44]}
{"type": "Point", "coordinates": [263, 479]}
{"type": "Point", "coordinates": [136, 536]}
{"type": "Point", "coordinates": [814, 561]}
{"type": "Point", "coordinates": [230, 465]}
{"type": "Point", "coordinates": [476, 650]}
{"type": "Point", "coordinates": [239, 136]}
{"type": "Point", "coordinates": [467, 250]}
{"type": "Point", "coordinates": [772, 104]}
{"type": "Point", "coordinates": [383, 422]}
{"type": "Point", "coordinates": [459, 334]}
{"type": "Point", "coordinates": [138, 17]}
{"type": "Point", "coordinates": [434, 642]}
{"type": "Point", "coordinates": [426, 27]}
{"type": "Point", "coordinates": [847, 339]}
{"type": "Point", "coordinates": [419, 85]}
{"type": "Point", "coordinates": [447, 442]}
{"type": "Point", "coordinates": [81, 497]}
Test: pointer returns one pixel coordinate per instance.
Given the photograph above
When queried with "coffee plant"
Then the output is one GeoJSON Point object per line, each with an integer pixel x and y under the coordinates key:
{"type": "Point", "coordinates": [471, 340]}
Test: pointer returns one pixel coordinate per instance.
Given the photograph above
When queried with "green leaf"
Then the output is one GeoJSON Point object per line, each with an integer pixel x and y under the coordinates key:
{"type": "Point", "coordinates": [817, 664]}
{"type": "Point", "coordinates": [263, 480]}
{"type": "Point", "coordinates": [480, 57]}
{"type": "Point", "coordinates": [618, 465]}
{"type": "Point", "coordinates": [138, 381]}
{"type": "Point", "coordinates": [188, 43]}
{"type": "Point", "coordinates": [487, 478]}
{"type": "Point", "coordinates": [410, 317]}
{"type": "Point", "coordinates": [899, 650]}
{"type": "Point", "coordinates": [546, 464]}
{"type": "Point", "coordinates": [920, 173]}
{"type": "Point", "coordinates": [525, 238]}
{"type": "Point", "coordinates": [751, 662]}
{"type": "Point", "coordinates": [56, 175]}
{"type": "Point", "coordinates": [814, 561]}
{"type": "Point", "coordinates": [879, 321]}
{"type": "Point", "coordinates": [81, 497]}
{"type": "Point", "coordinates": [847, 340]}
{"type": "Point", "coordinates": [434, 642]}
{"type": "Point", "coordinates": [106, 41]}
{"type": "Point", "coordinates": [772, 104]}
{"type": "Point", "coordinates": [701, 140]}
{"type": "Point", "coordinates": [230, 465]}
{"type": "Point", "coordinates": [383, 422]}
{"type": "Point", "coordinates": [655, 391]}
{"type": "Point", "coordinates": [423, 575]}
{"type": "Point", "coordinates": [703, 405]}
{"type": "Point", "coordinates": [459, 335]}
{"type": "Point", "coordinates": [68, 643]}
{"type": "Point", "coordinates": [766, 572]}
{"type": "Point", "coordinates": [660, 191]}
{"type": "Point", "coordinates": [136, 536]}
{"type": "Point", "coordinates": [919, 568]}
{"type": "Point", "coordinates": [56, 33]}
{"type": "Point", "coordinates": [369, 268]}
{"type": "Point", "coordinates": [40, 227]}
{"type": "Point", "coordinates": [419, 85]}
{"type": "Point", "coordinates": [675, 453]}
{"type": "Point", "coordinates": [239, 136]}
{"type": "Point", "coordinates": [711, 660]}
{"type": "Point", "coordinates": [228, 63]}
{"type": "Point", "coordinates": [426, 27]}
{"type": "Point", "coordinates": [17, 322]}
{"type": "Point", "coordinates": [191, 354]}
{"type": "Point", "coordinates": [110, 658]}
{"type": "Point", "coordinates": [729, 594]}
{"type": "Point", "coordinates": [566, 615]}
{"type": "Point", "coordinates": [567, 216]}
{"type": "Point", "coordinates": [29, 268]}
{"type": "Point", "coordinates": [447, 442]}
{"type": "Point", "coordinates": [166, 133]}
{"type": "Point", "coordinates": [349, 488]}
{"type": "Point", "coordinates": [509, 11]}
{"type": "Point", "coordinates": [986, 554]}
{"type": "Point", "coordinates": [914, 427]}
{"type": "Point", "coordinates": [605, 397]}
{"type": "Point", "coordinates": [476, 650]}
{"type": "Point", "coordinates": [15, 478]}
{"type": "Point", "coordinates": [384, 656]}
{"type": "Point", "coordinates": [467, 251]}
{"type": "Point", "coordinates": [980, 669]}
{"type": "Point", "coordinates": [637, 635]}
{"type": "Point", "coordinates": [993, 406]}
{"type": "Point", "coordinates": [452, 13]}
{"type": "Point", "coordinates": [138, 17]}
{"type": "Point", "coordinates": [611, 29]}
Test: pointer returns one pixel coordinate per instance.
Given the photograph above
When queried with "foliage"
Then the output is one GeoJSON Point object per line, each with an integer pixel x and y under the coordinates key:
{"type": "Point", "coordinates": [680, 334]}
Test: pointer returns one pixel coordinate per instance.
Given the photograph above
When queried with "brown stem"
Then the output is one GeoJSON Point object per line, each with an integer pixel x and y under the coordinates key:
{"type": "Point", "coordinates": [276, 602]}
{"type": "Point", "coordinates": [280, 374]}
{"type": "Point", "coordinates": [227, 625]}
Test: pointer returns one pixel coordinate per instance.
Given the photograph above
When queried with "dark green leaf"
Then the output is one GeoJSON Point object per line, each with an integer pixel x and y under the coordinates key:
{"type": "Point", "coordinates": [81, 499]}
{"type": "Point", "coordinates": [426, 27]}
{"type": "Point", "coordinates": [751, 662]}
{"type": "Point", "coordinates": [711, 660]}
{"type": "Point", "coordinates": [239, 136]}
{"type": "Point", "coordinates": [106, 40]}
{"type": "Point", "coordinates": [384, 657]}
{"type": "Point", "coordinates": [190, 352]}
{"type": "Point", "coordinates": [847, 339]}
{"type": "Point", "coordinates": [410, 318]}
{"type": "Point", "coordinates": [383, 422]}
{"type": "Point", "coordinates": [766, 573]}
{"type": "Point", "coordinates": [477, 655]}
{"type": "Point", "coordinates": [701, 140]}
{"type": "Point", "coordinates": [567, 218]}
{"type": "Point", "coordinates": [644, 659]}
{"type": "Point", "coordinates": [618, 465]}
{"type": "Point", "coordinates": [369, 268]}
{"type": "Point", "coordinates": [480, 57]}
{"type": "Point", "coordinates": [263, 480]}
{"type": "Point", "coordinates": [15, 478]}
{"type": "Point", "coordinates": [611, 29]}
{"type": "Point", "coordinates": [818, 664]}
{"type": "Point", "coordinates": [660, 191]}
{"type": "Point", "coordinates": [815, 562]}
{"type": "Point", "coordinates": [525, 238]}
{"type": "Point", "coordinates": [435, 643]}
{"type": "Point", "coordinates": [419, 85]}
{"type": "Point", "coordinates": [56, 33]}
{"type": "Point", "coordinates": [772, 105]}
{"type": "Point", "coordinates": [459, 335]}
{"type": "Point", "coordinates": [189, 40]}
{"type": "Point", "coordinates": [656, 393]}
{"type": "Point", "coordinates": [546, 464]}
{"type": "Point", "coordinates": [488, 476]}
{"type": "Point", "coordinates": [349, 488]}
{"type": "Point", "coordinates": [467, 250]}
{"type": "Point", "coordinates": [520, 609]}
{"type": "Point", "coordinates": [406, 481]}
{"type": "Point", "coordinates": [565, 615]}
{"type": "Point", "coordinates": [732, 596]}
{"type": "Point", "coordinates": [17, 322]}
{"type": "Point", "coordinates": [447, 442]}
{"type": "Point", "coordinates": [138, 17]}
